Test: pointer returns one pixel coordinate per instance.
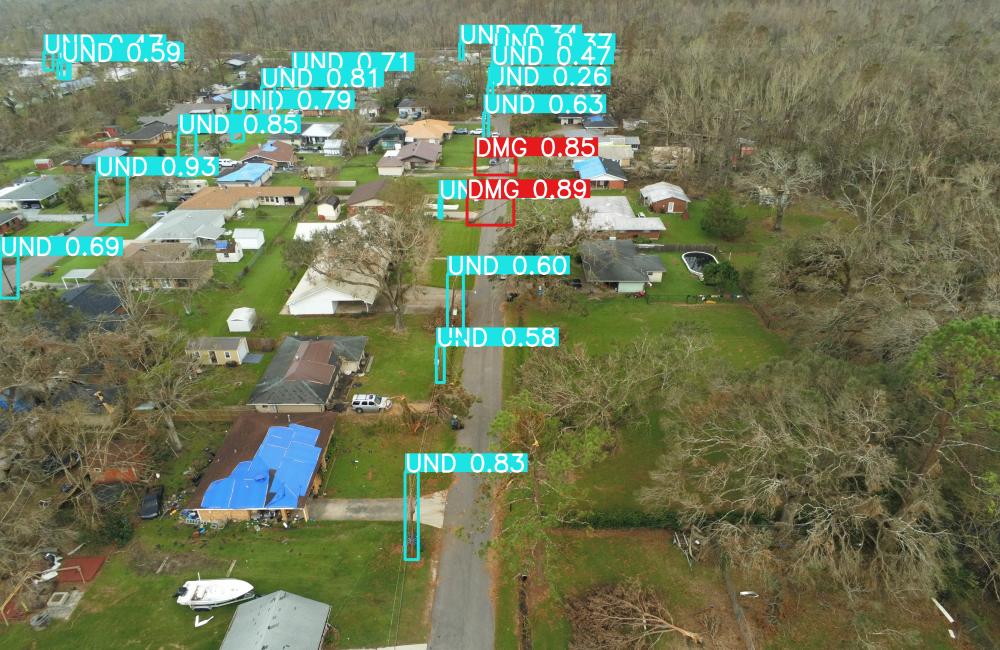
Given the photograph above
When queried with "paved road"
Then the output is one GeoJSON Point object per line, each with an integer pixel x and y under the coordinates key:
{"type": "Point", "coordinates": [432, 508]}
{"type": "Point", "coordinates": [462, 617]}
{"type": "Point", "coordinates": [111, 213]}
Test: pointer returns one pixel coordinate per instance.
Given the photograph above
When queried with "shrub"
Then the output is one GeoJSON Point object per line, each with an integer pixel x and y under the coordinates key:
{"type": "Point", "coordinates": [114, 526]}
{"type": "Point", "coordinates": [723, 276]}
{"type": "Point", "coordinates": [721, 218]}
{"type": "Point", "coordinates": [626, 518]}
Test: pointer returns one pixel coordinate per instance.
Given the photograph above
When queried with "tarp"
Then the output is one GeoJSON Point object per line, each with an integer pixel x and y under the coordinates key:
{"type": "Point", "coordinates": [277, 475]}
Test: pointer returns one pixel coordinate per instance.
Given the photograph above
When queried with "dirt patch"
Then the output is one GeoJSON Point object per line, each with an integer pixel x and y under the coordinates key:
{"type": "Point", "coordinates": [144, 560]}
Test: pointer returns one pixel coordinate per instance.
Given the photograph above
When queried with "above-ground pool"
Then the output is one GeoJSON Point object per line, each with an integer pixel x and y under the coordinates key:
{"type": "Point", "coordinates": [695, 261]}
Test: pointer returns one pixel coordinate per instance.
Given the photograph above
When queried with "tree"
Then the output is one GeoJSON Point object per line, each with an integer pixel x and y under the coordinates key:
{"type": "Point", "coordinates": [624, 616]}
{"type": "Point", "coordinates": [173, 387]}
{"type": "Point", "coordinates": [723, 276]}
{"type": "Point", "coordinates": [791, 472]}
{"type": "Point", "coordinates": [781, 178]}
{"type": "Point", "coordinates": [381, 252]}
{"type": "Point", "coordinates": [721, 218]}
{"type": "Point", "coordinates": [70, 195]}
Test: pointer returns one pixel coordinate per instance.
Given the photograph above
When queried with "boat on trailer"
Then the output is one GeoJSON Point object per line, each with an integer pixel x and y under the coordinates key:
{"type": "Point", "coordinates": [201, 595]}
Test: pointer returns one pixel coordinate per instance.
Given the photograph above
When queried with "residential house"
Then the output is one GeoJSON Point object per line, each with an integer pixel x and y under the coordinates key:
{"type": "Point", "coordinates": [240, 60]}
{"type": "Point", "coordinates": [305, 371]}
{"type": "Point", "coordinates": [278, 620]}
{"type": "Point", "coordinates": [249, 239]}
{"type": "Point", "coordinates": [619, 153]}
{"type": "Point", "coordinates": [369, 196]}
{"type": "Point", "coordinates": [147, 265]}
{"type": "Point", "coordinates": [570, 119]}
{"type": "Point", "coordinates": [599, 123]}
{"type": "Point", "coordinates": [242, 319]}
{"type": "Point", "coordinates": [612, 217]}
{"type": "Point", "coordinates": [368, 108]}
{"type": "Point", "coordinates": [432, 131]}
{"type": "Point", "coordinates": [665, 197]}
{"type": "Point", "coordinates": [411, 109]}
{"type": "Point", "coordinates": [631, 140]}
{"type": "Point", "coordinates": [601, 172]}
{"type": "Point", "coordinates": [328, 209]}
{"type": "Point", "coordinates": [276, 153]}
{"type": "Point", "coordinates": [198, 228]}
{"type": "Point", "coordinates": [182, 189]}
{"type": "Point", "coordinates": [149, 135]}
{"type": "Point", "coordinates": [231, 199]}
{"type": "Point", "coordinates": [32, 193]}
{"type": "Point", "coordinates": [172, 116]}
{"type": "Point", "coordinates": [333, 147]}
{"type": "Point", "coordinates": [618, 264]}
{"type": "Point", "coordinates": [314, 136]}
{"type": "Point", "coordinates": [414, 155]}
{"type": "Point", "coordinates": [89, 162]}
{"type": "Point", "coordinates": [266, 464]}
{"type": "Point", "coordinates": [228, 251]}
{"type": "Point", "coordinates": [385, 139]}
{"type": "Point", "coordinates": [252, 174]}
{"type": "Point", "coordinates": [95, 302]}
{"type": "Point", "coordinates": [218, 350]}
{"type": "Point", "coordinates": [11, 222]}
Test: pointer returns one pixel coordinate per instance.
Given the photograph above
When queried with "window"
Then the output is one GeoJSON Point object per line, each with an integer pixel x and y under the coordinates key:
{"type": "Point", "coordinates": [228, 355]}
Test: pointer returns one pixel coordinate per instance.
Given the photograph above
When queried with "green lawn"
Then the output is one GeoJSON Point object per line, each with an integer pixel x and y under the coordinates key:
{"type": "Point", "coordinates": [457, 151]}
{"type": "Point", "coordinates": [351, 566]}
{"type": "Point", "coordinates": [368, 453]}
{"type": "Point", "coordinates": [454, 238]}
{"type": "Point", "coordinates": [237, 151]}
{"type": "Point", "coordinates": [360, 168]}
{"type": "Point", "coordinates": [43, 229]}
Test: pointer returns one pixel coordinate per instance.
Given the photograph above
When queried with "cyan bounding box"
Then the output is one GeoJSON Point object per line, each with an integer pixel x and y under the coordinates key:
{"type": "Point", "coordinates": [177, 166]}
{"type": "Point", "coordinates": [62, 246]}
{"type": "Point", "coordinates": [59, 51]}
{"type": "Point", "coordinates": [17, 280]}
{"type": "Point", "coordinates": [554, 104]}
{"type": "Point", "coordinates": [497, 337]}
{"type": "Point", "coordinates": [387, 61]}
{"type": "Point", "coordinates": [562, 49]}
{"type": "Point", "coordinates": [448, 190]}
{"type": "Point", "coordinates": [321, 78]}
{"type": "Point", "coordinates": [508, 265]}
{"type": "Point", "coordinates": [483, 34]}
{"type": "Point", "coordinates": [271, 124]}
{"type": "Point", "coordinates": [547, 75]}
{"type": "Point", "coordinates": [303, 100]}
{"type": "Point", "coordinates": [467, 463]}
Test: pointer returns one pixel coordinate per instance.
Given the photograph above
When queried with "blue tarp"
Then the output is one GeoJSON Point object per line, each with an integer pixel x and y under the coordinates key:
{"type": "Point", "coordinates": [107, 151]}
{"type": "Point", "coordinates": [248, 173]}
{"type": "Point", "coordinates": [589, 167]}
{"type": "Point", "coordinates": [276, 477]}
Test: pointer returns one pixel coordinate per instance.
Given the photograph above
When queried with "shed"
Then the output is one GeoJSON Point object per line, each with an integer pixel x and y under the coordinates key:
{"type": "Point", "coordinates": [249, 238]}
{"type": "Point", "coordinates": [279, 620]}
{"type": "Point", "coordinates": [328, 209]}
{"type": "Point", "coordinates": [218, 350]}
{"type": "Point", "coordinates": [242, 319]}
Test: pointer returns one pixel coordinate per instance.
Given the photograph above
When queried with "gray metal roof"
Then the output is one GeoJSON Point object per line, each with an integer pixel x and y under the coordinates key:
{"type": "Point", "coordinates": [278, 621]}
{"type": "Point", "coordinates": [215, 343]}
{"type": "Point", "coordinates": [279, 385]}
{"type": "Point", "coordinates": [617, 260]}
{"type": "Point", "coordinates": [37, 190]}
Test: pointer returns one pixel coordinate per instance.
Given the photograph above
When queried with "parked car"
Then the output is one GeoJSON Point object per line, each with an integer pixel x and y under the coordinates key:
{"type": "Point", "coordinates": [461, 131]}
{"type": "Point", "coordinates": [160, 214]}
{"type": "Point", "coordinates": [152, 502]}
{"type": "Point", "coordinates": [476, 132]}
{"type": "Point", "coordinates": [227, 162]}
{"type": "Point", "coordinates": [370, 403]}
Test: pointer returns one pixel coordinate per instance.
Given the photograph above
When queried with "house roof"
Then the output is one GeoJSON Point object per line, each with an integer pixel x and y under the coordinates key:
{"type": "Point", "coordinates": [663, 190]}
{"type": "Point", "coordinates": [113, 152]}
{"type": "Point", "coordinates": [245, 438]}
{"type": "Point", "coordinates": [148, 131]}
{"type": "Point", "coordinates": [171, 116]}
{"type": "Point", "coordinates": [367, 192]}
{"type": "Point", "coordinates": [243, 314]}
{"type": "Point", "coordinates": [7, 217]}
{"type": "Point", "coordinates": [163, 261]}
{"type": "Point", "coordinates": [599, 122]}
{"type": "Point", "coordinates": [185, 224]}
{"type": "Point", "coordinates": [215, 197]}
{"type": "Point", "coordinates": [215, 343]}
{"type": "Point", "coordinates": [613, 213]}
{"type": "Point", "coordinates": [631, 140]}
{"type": "Point", "coordinates": [92, 300]}
{"type": "Point", "coordinates": [351, 286]}
{"type": "Point", "coordinates": [278, 620]}
{"type": "Point", "coordinates": [320, 130]}
{"type": "Point", "coordinates": [248, 173]}
{"type": "Point", "coordinates": [428, 129]}
{"type": "Point", "coordinates": [36, 190]}
{"type": "Point", "coordinates": [421, 150]}
{"type": "Point", "coordinates": [275, 150]}
{"type": "Point", "coordinates": [599, 169]}
{"type": "Point", "coordinates": [617, 260]}
{"type": "Point", "coordinates": [391, 131]}
{"type": "Point", "coordinates": [304, 369]}
{"type": "Point", "coordinates": [408, 103]}
{"type": "Point", "coordinates": [615, 151]}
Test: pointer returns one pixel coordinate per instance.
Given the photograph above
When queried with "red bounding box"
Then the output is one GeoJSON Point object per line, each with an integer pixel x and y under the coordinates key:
{"type": "Point", "coordinates": [486, 174]}
{"type": "Point", "coordinates": [499, 189]}
{"type": "Point", "coordinates": [546, 147]}
{"type": "Point", "coordinates": [513, 218]}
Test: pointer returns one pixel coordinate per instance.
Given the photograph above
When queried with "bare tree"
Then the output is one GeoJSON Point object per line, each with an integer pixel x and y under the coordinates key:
{"type": "Point", "coordinates": [781, 178]}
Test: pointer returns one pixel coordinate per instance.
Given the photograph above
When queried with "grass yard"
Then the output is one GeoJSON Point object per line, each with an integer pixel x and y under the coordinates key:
{"type": "Point", "coordinates": [454, 238]}
{"type": "Point", "coordinates": [43, 229]}
{"type": "Point", "coordinates": [378, 443]}
{"type": "Point", "coordinates": [360, 168]}
{"type": "Point", "coordinates": [237, 151]}
{"type": "Point", "coordinates": [351, 566]}
{"type": "Point", "coordinates": [457, 151]}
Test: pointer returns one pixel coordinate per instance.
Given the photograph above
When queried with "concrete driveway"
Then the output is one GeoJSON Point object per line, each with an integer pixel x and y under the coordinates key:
{"type": "Point", "coordinates": [432, 509]}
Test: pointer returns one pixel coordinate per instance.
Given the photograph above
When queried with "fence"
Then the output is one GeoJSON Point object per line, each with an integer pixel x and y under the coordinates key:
{"type": "Point", "coordinates": [325, 184]}
{"type": "Point", "coordinates": [678, 248]}
{"type": "Point", "coordinates": [61, 218]}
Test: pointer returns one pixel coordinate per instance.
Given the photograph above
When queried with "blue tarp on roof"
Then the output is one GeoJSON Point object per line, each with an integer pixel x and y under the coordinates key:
{"type": "Point", "coordinates": [269, 146]}
{"type": "Point", "coordinates": [276, 477]}
{"type": "Point", "coordinates": [249, 173]}
{"type": "Point", "coordinates": [589, 168]}
{"type": "Point", "coordinates": [107, 151]}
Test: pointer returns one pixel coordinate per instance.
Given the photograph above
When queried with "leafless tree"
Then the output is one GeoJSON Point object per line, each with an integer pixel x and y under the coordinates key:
{"type": "Point", "coordinates": [781, 178]}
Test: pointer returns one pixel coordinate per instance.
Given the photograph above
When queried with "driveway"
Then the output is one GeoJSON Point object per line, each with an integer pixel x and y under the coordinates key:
{"type": "Point", "coordinates": [111, 213]}
{"type": "Point", "coordinates": [432, 508]}
{"type": "Point", "coordinates": [462, 616]}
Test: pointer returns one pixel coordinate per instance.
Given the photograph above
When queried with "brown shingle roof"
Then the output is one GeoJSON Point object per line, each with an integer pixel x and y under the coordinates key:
{"type": "Point", "coordinates": [215, 197]}
{"type": "Point", "coordinates": [275, 150]}
{"type": "Point", "coordinates": [367, 192]}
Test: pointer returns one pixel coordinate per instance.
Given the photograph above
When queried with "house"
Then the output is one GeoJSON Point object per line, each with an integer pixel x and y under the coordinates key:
{"type": "Point", "coordinates": [370, 195]}
{"type": "Point", "coordinates": [411, 109]}
{"type": "Point", "coordinates": [96, 302]}
{"type": "Point", "coordinates": [278, 620]}
{"type": "Point", "coordinates": [433, 131]}
{"type": "Point", "coordinates": [619, 153]}
{"type": "Point", "coordinates": [147, 265]}
{"type": "Point", "coordinates": [414, 155]}
{"type": "Point", "coordinates": [242, 319]}
{"type": "Point", "coordinates": [618, 264]}
{"type": "Point", "coordinates": [239, 60]}
{"type": "Point", "coordinates": [314, 136]}
{"type": "Point", "coordinates": [149, 135]}
{"type": "Point", "coordinates": [11, 222]}
{"type": "Point", "coordinates": [218, 350]}
{"type": "Point", "coordinates": [266, 464]}
{"type": "Point", "coordinates": [333, 147]}
{"type": "Point", "coordinates": [665, 197]}
{"type": "Point", "coordinates": [228, 251]}
{"type": "Point", "coordinates": [230, 199]}
{"type": "Point", "coordinates": [601, 172]}
{"type": "Point", "coordinates": [252, 174]}
{"type": "Point", "coordinates": [90, 162]}
{"type": "Point", "coordinates": [304, 372]}
{"type": "Point", "coordinates": [276, 153]}
{"type": "Point", "coordinates": [631, 140]}
{"type": "Point", "coordinates": [172, 117]}
{"type": "Point", "coordinates": [32, 193]}
{"type": "Point", "coordinates": [368, 108]}
{"type": "Point", "coordinates": [199, 228]}
{"type": "Point", "coordinates": [385, 139]}
{"type": "Point", "coordinates": [319, 295]}
{"type": "Point", "coordinates": [612, 216]}
{"type": "Point", "coordinates": [599, 123]}
{"type": "Point", "coordinates": [42, 164]}
{"type": "Point", "coordinates": [249, 239]}
{"type": "Point", "coordinates": [570, 119]}
{"type": "Point", "coordinates": [328, 209]}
